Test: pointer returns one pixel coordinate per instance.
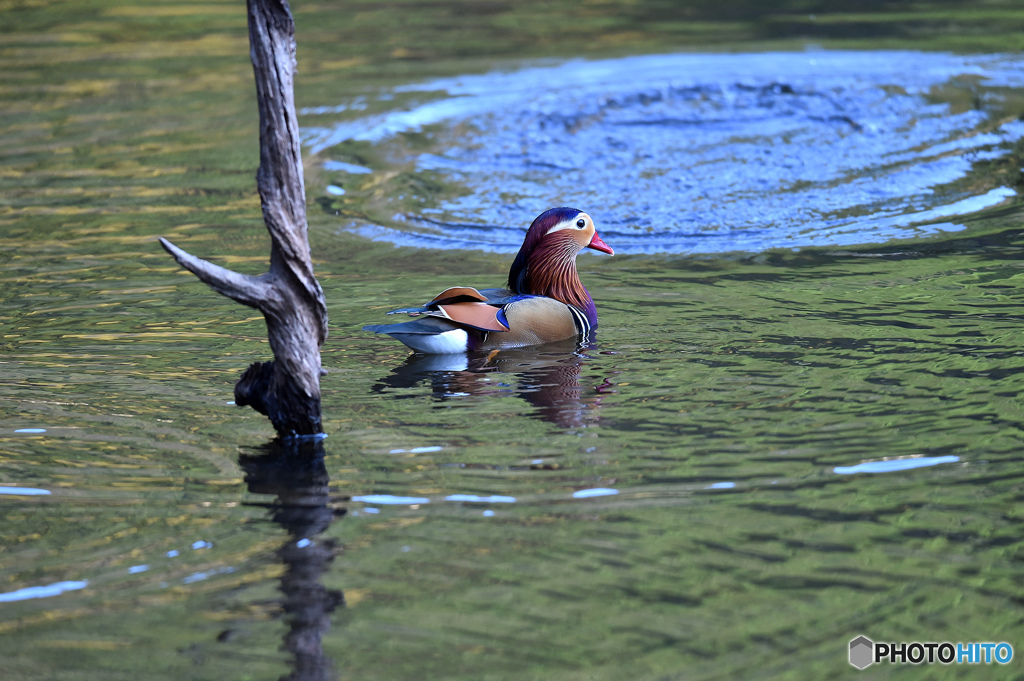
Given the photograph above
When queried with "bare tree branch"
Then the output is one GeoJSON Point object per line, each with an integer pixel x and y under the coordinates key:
{"type": "Point", "coordinates": [245, 289]}
{"type": "Point", "coordinates": [288, 389]}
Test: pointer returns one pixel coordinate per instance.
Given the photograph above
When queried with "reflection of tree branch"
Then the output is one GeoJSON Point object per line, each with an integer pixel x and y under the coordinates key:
{"type": "Point", "coordinates": [293, 470]}
{"type": "Point", "coordinates": [308, 604]}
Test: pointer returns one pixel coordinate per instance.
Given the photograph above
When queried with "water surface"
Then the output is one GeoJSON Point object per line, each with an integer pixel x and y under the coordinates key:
{"type": "Point", "coordinates": [799, 422]}
{"type": "Point", "coordinates": [704, 153]}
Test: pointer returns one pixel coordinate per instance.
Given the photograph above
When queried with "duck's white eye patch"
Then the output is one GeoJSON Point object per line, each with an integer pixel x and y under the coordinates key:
{"type": "Point", "coordinates": [581, 223]}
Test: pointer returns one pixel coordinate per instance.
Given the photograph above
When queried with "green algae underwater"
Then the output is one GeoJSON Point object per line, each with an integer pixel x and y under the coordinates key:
{"type": "Point", "coordinates": [761, 456]}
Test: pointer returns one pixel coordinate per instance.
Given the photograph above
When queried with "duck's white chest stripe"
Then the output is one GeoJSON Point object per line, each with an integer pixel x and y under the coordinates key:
{"type": "Point", "coordinates": [580, 319]}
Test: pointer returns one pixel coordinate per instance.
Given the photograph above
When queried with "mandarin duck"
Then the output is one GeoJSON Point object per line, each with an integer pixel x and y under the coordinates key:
{"type": "Point", "coordinates": [544, 302]}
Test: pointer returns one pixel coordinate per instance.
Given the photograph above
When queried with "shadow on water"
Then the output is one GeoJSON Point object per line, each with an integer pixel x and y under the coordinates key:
{"type": "Point", "coordinates": [548, 378]}
{"type": "Point", "coordinates": [294, 472]}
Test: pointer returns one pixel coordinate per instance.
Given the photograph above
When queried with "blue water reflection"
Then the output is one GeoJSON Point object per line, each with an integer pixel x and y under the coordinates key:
{"type": "Point", "coordinates": [473, 498]}
{"type": "Point", "coordinates": [596, 492]}
{"type": "Point", "coordinates": [350, 168]}
{"type": "Point", "coordinates": [389, 500]}
{"type": "Point", "coordinates": [24, 491]}
{"type": "Point", "coordinates": [200, 576]}
{"type": "Point", "coordinates": [42, 591]}
{"type": "Point", "coordinates": [895, 465]}
{"type": "Point", "coordinates": [702, 153]}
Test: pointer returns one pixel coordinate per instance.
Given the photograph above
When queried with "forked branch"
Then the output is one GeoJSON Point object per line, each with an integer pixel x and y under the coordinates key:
{"type": "Point", "coordinates": [288, 389]}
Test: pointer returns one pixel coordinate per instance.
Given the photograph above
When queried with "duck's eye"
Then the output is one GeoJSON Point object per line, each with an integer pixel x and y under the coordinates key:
{"type": "Point", "coordinates": [581, 223]}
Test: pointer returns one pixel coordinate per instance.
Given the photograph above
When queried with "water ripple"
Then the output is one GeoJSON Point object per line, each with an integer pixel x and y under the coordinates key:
{"type": "Point", "coordinates": [42, 591]}
{"type": "Point", "coordinates": [596, 492]}
{"type": "Point", "coordinates": [24, 491]}
{"type": "Point", "coordinates": [698, 153]}
{"type": "Point", "coordinates": [894, 465]}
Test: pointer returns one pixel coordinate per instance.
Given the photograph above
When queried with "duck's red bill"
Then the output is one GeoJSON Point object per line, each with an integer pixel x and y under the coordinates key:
{"type": "Point", "coordinates": [599, 245]}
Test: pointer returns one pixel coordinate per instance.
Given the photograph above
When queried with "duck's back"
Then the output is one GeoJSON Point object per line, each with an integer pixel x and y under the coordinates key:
{"type": "Point", "coordinates": [463, 318]}
{"type": "Point", "coordinates": [532, 320]}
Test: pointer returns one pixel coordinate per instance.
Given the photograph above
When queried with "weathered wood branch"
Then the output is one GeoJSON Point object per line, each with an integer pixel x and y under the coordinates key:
{"type": "Point", "coordinates": [288, 389]}
{"type": "Point", "coordinates": [244, 288]}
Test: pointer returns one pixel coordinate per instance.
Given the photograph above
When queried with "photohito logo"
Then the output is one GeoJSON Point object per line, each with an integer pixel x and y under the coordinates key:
{"type": "Point", "coordinates": [864, 652]}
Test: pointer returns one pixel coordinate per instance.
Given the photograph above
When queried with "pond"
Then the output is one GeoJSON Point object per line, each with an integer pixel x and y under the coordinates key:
{"type": "Point", "coordinates": [799, 422]}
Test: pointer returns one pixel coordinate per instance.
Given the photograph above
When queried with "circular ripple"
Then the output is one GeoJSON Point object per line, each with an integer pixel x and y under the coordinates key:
{"type": "Point", "coordinates": [703, 153]}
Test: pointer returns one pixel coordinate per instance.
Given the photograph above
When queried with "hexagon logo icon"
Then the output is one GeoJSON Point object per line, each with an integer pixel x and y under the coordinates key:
{"type": "Point", "coordinates": [862, 651]}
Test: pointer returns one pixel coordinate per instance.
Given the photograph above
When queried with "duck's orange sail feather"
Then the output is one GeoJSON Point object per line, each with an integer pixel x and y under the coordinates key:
{"type": "Point", "coordinates": [477, 315]}
{"type": "Point", "coordinates": [459, 292]}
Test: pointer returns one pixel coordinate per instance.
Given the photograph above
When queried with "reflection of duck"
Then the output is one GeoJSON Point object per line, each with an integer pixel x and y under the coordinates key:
{"type": "Point", "coordinates": [547, 377]}
{"type": "Point", "coordinates": [545, 300]}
